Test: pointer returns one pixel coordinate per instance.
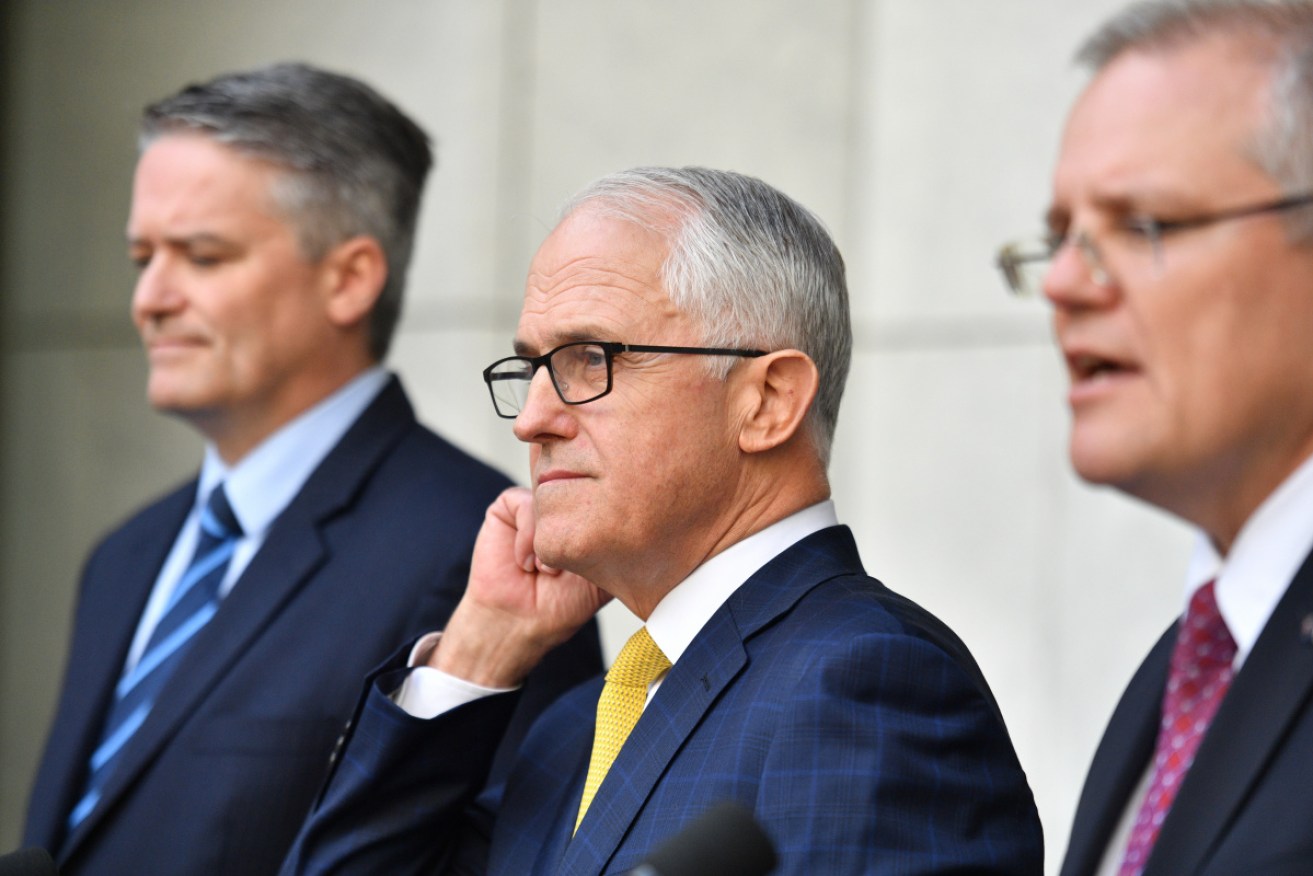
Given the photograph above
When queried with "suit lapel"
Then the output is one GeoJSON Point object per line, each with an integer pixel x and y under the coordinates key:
{"type": "Point", "coordinates": [1120, 761]}
{"type": "Point", "coordinates": [1271, 689]}
{"type": "Point", "coordinates": [292, 550]}
{"type": "Point", "coordinates": [716, 656]}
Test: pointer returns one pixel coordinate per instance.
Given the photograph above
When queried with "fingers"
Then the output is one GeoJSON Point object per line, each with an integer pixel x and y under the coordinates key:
{"type": "Point", "coordinates": [506, 506]}
{"type": "Point", "coordinates": [524, 527]}
{"type": "Point", "coordinates": [514, 509]}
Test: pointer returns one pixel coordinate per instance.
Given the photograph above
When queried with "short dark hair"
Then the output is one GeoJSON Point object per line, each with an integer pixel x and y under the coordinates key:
{"type": "Point", "coordinates": [354, 163]}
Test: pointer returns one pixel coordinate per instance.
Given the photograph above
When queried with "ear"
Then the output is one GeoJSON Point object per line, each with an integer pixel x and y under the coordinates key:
{"type": "Point", "coordinates": [777, 391]}
{"type": "Point", "coordinates": [356, 270]}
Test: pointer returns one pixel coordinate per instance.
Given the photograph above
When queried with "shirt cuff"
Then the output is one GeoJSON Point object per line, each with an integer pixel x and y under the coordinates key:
{"type": "Point", "coordinates": [428, 692]}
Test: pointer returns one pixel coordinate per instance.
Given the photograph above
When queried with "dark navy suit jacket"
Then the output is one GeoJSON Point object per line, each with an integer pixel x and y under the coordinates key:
{"type": "Point", "coordinates": [1246, 805]}
{"type": "Point", "coordinates": [372, 551]}
{"type": "Point", "coordinates": [855, 725]}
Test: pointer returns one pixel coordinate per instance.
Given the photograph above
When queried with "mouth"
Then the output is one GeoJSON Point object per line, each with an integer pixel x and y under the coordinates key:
{"type": "Point", "coordinates": [171, 343]}
{"type": "Point", "coordinates": [1093, 375]}
{"type": "Point", "coordinates": [1087, 366]}
{"type": "Point", "coordinates": [557, 475]}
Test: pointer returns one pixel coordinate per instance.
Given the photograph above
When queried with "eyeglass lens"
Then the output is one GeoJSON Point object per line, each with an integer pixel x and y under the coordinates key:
{"type": "Point", "coordinates": [580, 372]}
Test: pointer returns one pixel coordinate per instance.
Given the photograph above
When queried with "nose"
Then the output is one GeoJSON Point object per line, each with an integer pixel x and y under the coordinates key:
{"type": "Point", "coordinates": [156, 292]}
{"type": "Point", "coordinates": [1077, 276]}
{"type": "Point", "coordinates": [544, 415]}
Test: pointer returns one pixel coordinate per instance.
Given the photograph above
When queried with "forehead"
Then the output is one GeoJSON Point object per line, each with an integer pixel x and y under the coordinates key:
{"type": "Point", "coordinates": [1182, 119]}
{"type": "Point", "coordinates": [597, 277]}
{"type": "Point", "coordinates": [191, 179]}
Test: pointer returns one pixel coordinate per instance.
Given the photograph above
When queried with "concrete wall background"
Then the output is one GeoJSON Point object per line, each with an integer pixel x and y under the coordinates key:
{"type": "Point", "coordinates": [922, 131]}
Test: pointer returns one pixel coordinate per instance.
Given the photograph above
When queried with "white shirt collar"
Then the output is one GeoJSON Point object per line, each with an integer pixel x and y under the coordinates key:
{"type": "Point", "coordinates": [683, 611]}
{"type": "Point", "coordinates": [262, 484]}
{"type": "Point", "coordinates": [1267, 553]}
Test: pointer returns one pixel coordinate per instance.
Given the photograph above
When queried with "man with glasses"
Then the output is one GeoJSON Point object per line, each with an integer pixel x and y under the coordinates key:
{"type": "Point", "coordinates": [1179, 265]}
{"type": "Point", "coordinates": [680, 356]}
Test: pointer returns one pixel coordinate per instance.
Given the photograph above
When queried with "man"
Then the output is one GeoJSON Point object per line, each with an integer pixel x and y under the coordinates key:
{"type": "Point", "coordinates": [1180, 281]}
{"type": "Point", "coordinates": [221, 633]}
{"type": "Point", "coordinates": [680, 357]}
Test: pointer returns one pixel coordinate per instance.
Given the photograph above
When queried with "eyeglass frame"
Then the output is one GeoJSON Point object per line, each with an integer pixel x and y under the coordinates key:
{"type": "Point", "coordinates": [1011, 256]}
{"type": "Point", "coordinates": [610, 349]}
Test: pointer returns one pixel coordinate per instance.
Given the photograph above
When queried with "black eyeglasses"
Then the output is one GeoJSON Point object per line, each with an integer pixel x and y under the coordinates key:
{"type": "Point", "coordinates": [1024, 263]}
{"type": "Point", "coordinates": [580, 371]}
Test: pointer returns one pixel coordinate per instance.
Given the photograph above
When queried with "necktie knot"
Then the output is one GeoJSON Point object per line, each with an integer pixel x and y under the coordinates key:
{"type": "Point", "coordinates": [1204, 642]}
{"type": "Point", "coordinates": [217, 517]}
{"type": "Point", "coordinates": [639, 663]}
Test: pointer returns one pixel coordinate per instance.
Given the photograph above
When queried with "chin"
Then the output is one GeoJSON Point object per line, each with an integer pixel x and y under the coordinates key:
{"type": "Point", "coordinates": [170, 402]}
{"type": "Point", "coordinates": [550, 547]}
{"type": "Point", "coordinates": [176, 401]}
{"type": "Point", "coordinates": [1114, 452]}
{"type": "Point", "coordinates": [565, 548]}
{"type": "Point", "coordinates": [1100, 464]}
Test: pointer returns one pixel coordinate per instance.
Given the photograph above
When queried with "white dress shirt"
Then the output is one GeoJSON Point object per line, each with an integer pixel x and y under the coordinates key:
{"type": "Point", "coordinates": [259, 487]}
{"type": "Point", "coordinates": [676, 620]}
{"type": "Point", "coordinates": [1251, 579]}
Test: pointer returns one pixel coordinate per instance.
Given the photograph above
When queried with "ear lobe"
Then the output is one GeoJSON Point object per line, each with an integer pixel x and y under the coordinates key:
{"type": "Point", "coordinates": [780, 388]}
{"type": "Point", "coordinates": [356, 272]}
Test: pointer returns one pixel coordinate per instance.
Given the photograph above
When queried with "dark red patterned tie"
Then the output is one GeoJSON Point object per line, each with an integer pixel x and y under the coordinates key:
{"type": "Point", "coordinates": [1200, 674]}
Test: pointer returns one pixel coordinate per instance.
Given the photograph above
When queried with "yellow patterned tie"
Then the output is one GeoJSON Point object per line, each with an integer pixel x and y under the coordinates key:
{"type": "Point", "coordinates": [639, 664]}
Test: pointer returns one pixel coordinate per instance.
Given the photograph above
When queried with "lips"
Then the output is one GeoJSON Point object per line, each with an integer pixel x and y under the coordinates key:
{"type": "Point", "coordinates": [556, 475]}
{"type": "Point", "coordinates": [1088, 366]}
{"type": "Point", "coordinates": [1095, 375]}
{"type": "Point", "coordinates": [164, 343]}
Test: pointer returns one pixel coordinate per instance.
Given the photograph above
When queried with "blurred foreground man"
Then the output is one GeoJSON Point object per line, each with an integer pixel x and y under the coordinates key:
{"type": "Point", "coordinates": [222, 632]}
{"type": "Point", "coordinates": [680, 357]}
{"type": "Point", "coordinates": [1181, 277]}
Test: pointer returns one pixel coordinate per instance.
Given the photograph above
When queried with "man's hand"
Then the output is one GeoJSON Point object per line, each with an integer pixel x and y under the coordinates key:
{"type": "Point", "coordinates": [515, 609]}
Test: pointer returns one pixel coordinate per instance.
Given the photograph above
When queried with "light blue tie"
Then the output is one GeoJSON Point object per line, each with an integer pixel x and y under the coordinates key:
{"type": "Point", "coordinates": [194, 601]}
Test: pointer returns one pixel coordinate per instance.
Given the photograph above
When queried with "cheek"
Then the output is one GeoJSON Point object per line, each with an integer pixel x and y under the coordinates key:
{"type": "Point", "coordinates": [1215, 364]}
{"type": "Point", "coordinates": [269, 324]}
{"type": "Point", "coordinates": [686, 468]}
{"type": "Point", "coordinates": [1178, 333]}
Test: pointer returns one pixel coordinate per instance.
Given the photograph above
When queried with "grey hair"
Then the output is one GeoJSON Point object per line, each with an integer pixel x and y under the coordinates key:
{"type": "Point", "coordinates": [752, 267]}
{"type": "Point", "coordinates": [1279, 32]}
{"type": "Point", "coordinates": [353, 163]}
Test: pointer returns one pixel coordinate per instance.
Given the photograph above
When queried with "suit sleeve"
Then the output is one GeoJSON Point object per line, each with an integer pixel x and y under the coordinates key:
{"type": "Point", "coordinates": [400, 797]}
{"type": "Point", "coordinates": [891, 760]}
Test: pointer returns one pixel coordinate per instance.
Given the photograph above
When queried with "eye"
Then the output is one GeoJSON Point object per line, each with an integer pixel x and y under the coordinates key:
{"type": "Point", "coordinates": [1142, 227]}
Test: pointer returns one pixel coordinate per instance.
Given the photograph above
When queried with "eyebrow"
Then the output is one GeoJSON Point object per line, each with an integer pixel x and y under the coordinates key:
{"type": "Point", "coordinates": [523, 348]}
{"type": "Point", "coordinates": [204, 238]}
{"type": "Point", "coordinates": [1126, 202]}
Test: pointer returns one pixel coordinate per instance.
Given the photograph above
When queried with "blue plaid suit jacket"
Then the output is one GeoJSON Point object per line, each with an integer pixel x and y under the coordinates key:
{"type": "Point", "coordinates": [854, 724]}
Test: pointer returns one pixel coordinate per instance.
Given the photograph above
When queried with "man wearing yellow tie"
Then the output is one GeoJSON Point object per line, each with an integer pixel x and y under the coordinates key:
{"type": "Point", "coordinates": [680, 356]}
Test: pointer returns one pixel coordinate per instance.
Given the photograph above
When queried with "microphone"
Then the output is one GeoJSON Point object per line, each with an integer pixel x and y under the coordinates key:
{"type": "Point", "coordinates": [28, 862]}
{"type": "Point", "coordinates": [724, 841]}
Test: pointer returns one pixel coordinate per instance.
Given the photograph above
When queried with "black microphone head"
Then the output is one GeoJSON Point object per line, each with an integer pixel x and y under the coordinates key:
{"type": "Point", "coordinates": [724, 841]}
{"type": "Point", "coordinates": [28, 862]}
